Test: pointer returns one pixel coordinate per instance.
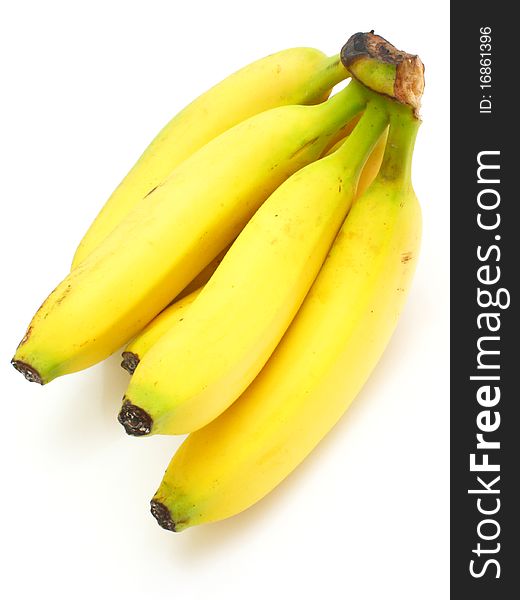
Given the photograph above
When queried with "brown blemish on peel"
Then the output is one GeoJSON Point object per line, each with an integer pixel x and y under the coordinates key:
{"type": "Point", "coordinates": [26, 336]}
{"type": "Point", "coordinates": [405, 257]}
{"type": "Point", "coordinates": [151, 191]}
{"type": "Point", "coordinates": [65, 293]}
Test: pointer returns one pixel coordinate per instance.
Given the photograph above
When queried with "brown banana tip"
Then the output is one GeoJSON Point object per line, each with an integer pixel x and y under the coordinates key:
{"type": "Point", "coordinates": [30, 373]}
{"type": "Point", "coordinates": [130, 362]}
{"type": "Point", "coordinates": [162, 515]}
{"type": "Point", "coordinates": [135, 420]}
{"type": "Point", "coordinates": [409, 78]}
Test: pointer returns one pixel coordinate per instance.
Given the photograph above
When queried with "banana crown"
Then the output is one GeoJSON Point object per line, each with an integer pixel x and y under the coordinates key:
{"type": "Point", "coordinates": [384, 69]}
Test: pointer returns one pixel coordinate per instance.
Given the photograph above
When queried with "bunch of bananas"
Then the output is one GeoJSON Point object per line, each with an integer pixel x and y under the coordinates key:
{"type": "Point", "coordinates": [254, 261]}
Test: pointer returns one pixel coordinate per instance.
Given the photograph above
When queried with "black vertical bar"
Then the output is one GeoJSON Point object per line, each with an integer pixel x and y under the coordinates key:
{"type": "Point", "coordinates": [485, 255]}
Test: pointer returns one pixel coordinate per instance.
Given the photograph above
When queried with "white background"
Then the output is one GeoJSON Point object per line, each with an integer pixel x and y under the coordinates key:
{"type": "Point", "coordinates": [85, 88]}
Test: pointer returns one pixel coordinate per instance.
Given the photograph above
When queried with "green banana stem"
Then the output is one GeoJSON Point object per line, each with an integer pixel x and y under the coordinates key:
{"type": "Point", "coordinates": [397, 160]}
{"type": "Point", "coordinates": [331, 73]}
{"type": "Point", "coordinates": [384, 69]}
{"type": "Point", "coordinates": [345, 105]}
{"type": "Point", "coordinates": [355, 151]}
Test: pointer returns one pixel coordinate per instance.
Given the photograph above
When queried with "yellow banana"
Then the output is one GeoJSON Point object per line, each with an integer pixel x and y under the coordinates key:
{"type": "Point", "coordinates": [321, 363]}
{"type": "Point", "coordinates": [201, 365]}
{"type": "Point", "coordinates": [293, 76]}
{"type": "Point", "coordinates": [162, 244]}
{"type": "Point", "coordinates": [151, 334]}
{"type": "Point", "coordinates": [177, 310]}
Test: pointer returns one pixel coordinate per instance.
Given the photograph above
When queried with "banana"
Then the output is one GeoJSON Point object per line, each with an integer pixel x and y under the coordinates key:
{"type": "Point", "coordinates": [293, 76]}
{"type": "Point", "coordinates": [321, 363]}
{"type": "Point", "coordinates": [201, 365]}
{"type": "Point", "coordinates": [176, 311]}
{"type": "Point", "coordinates": [162, 244]}
{"type": "Point", "coordinates": [151, 334]}
{"type": "Point", "coordinates": [328, 351]}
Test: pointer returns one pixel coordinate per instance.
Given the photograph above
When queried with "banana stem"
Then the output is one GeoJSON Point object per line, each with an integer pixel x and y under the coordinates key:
{"type": "Point", "coordinates": [354, 152]}
{"type": "Point", "coordinates": [329, 72]}
{"type": "Point", "coordinates": [333, 71]}
{"type": "Point", "coordinates": [345, 105]}
{"type": "Point", "coordinates": [397, 160]}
